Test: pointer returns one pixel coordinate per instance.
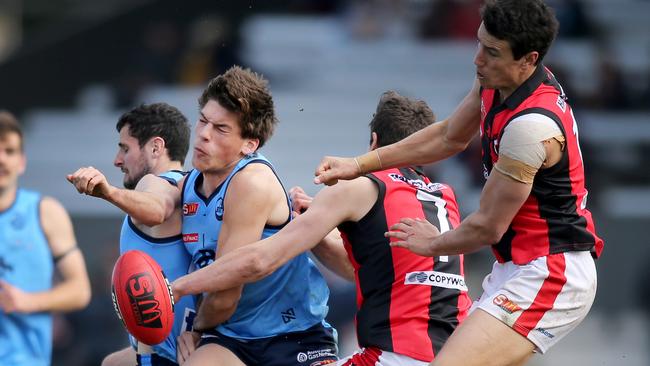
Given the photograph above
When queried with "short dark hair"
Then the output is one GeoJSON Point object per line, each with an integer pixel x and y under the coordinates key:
{"type": "Point", "coordinates": [527, 25]}
{"type": "Point", "coordinates": [9, 124]}
{"type": "Point", "coordinates": [246, 93]}
{"type": "Point", "coordinates": [398, 116]}
{"type": "Point", "coordinates": [159, 120]}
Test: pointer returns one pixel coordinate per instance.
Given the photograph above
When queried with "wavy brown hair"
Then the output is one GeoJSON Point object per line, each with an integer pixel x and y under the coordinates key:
{"type": "Point", "coordinates": [246, 93]}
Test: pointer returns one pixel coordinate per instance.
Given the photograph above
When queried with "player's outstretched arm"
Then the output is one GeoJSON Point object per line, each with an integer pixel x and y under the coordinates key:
{"type": "Point", "coordinates": [330, 251]}
{"type": "Point", "coordinates": [501, 199]}
{"type": "Point", "coordinates": [436, 142]}
{"type": "Point", "coordinates": [151, 203]}
{"type": "Point", "coordinates": [252, 262]}
{"type": "Point", "coordinates": [73, 291]}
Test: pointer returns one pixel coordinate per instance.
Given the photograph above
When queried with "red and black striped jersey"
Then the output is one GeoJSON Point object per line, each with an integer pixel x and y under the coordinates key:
{"type": "Point", "coordinates": [554, 218]}
{"type": "Point", "coordinates": [407, 304]}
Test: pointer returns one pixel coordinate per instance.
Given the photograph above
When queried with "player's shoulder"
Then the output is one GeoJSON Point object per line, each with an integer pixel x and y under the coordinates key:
{"type": "Point", "coordinates": [257, 167]}
{"type": "Point", "coordinates": [52, 213]}
{"type": "Point", "coordinates": [254, 180]}
{"type": "Point", "coordinates": [255, 173]}
{"type": "Point", "coordinates": [351, 190]}
{"type": "Point", "coordinates": [50, 205]}
{"type": "Point", "coordinates": [160, 182]}
{"type": "Point", "coordinates": [531, 120]}
{"type": "Point", "coordinates": [361, 183]}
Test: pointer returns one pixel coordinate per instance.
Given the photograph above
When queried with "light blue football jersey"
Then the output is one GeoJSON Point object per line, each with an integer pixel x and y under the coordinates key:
{"type": "Point", "coordinates": [293, 298]}
{"type": "Point", "coordinates": [25, 262]}
{"type": "Point", "coordinates": [174, 260]}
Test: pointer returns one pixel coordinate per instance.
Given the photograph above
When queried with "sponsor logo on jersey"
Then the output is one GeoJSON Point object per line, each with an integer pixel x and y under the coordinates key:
{"type": "Point", "coordinates": [191, 237]}
{"type": "Point", "coordinates": [313, 355]}
{"type": "Point", "coordinates": [417, 183]}
{"type": "Point", "coordinates": [141, 292]}
{"type": "Point", "coordinates": [218, 212]}
{"type": "Point", "coordinates": [190, 209]}
{"type": "Point", "coordinates": [504, 303]}
{"type": "Point", "coordinates": [437, 279]}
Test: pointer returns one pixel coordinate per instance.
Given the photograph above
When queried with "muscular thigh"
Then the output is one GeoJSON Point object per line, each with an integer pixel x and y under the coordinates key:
{"type": "Point", "coordinates": [213, 355]}
{"type": "Point", "coordinates": [125, 356]}
{"type": "Point", "coordinates": [483, 340]}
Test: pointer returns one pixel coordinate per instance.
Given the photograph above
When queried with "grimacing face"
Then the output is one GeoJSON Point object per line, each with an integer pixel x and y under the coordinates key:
{"type": "Point", "coordinates": [131, 159]}
{"type": "Point", "coordinates": [12, 160]}
{"type": "Point", "coordinates": [218, 144]}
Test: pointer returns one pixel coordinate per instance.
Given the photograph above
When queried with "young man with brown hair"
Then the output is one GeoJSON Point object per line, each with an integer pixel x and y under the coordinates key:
{"type": "Point", "coordinates": [36, 239]}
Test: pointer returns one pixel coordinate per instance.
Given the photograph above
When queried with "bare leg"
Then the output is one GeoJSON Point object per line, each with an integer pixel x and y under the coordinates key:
{"type": "Point", "coordinates": [213, 355]}
{"type": "Point", "coordinates": [483, 340]}
{"type": "Point", "coordinates": [123, 357]}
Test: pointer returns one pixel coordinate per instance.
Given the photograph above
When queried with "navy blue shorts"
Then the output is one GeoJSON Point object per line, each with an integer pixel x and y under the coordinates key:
{"type": "Point", "coordinates": [312, 347]}
{"type": "Point", "coordinates": [154, 360]}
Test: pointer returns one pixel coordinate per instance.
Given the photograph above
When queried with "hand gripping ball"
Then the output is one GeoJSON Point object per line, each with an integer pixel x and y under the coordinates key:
{"type": "Point", "coordinates": [142, 297]}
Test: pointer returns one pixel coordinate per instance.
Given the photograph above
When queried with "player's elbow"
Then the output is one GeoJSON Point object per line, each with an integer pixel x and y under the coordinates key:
{"type": "Point", "coordinates": [455, 146]}
{"type": "Point", "coordinates": [484, 231]}
{"type": "Point", "coordinates": [258, 266]}
{"type": "Point", "coordinates": [82, 297]}
{"type": "Point", "coordinates": [158, 213]}
{"type": "Point", "coordinates": [491, 237]}
{"type": "Point", "coordinates": [492, 234]}
{"type": "Point", "coordinates": [153, 220]}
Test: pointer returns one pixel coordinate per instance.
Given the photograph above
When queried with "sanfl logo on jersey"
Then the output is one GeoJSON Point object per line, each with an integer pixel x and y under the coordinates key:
{"type": "Point", "coordinates": [190, 209]}
{"type": "Point", "coordinates": [417, 183]}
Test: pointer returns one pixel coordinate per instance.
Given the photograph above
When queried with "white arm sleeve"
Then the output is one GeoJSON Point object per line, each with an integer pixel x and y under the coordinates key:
{"type": "Point", "coordinates": [523, 136]}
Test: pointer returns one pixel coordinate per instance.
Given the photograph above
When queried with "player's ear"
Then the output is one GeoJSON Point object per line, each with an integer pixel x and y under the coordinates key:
{"type": "Point", "coordinates": [157, 146]}
{"type": "Point", "coordinates": [530, 59]}
{"type": "Point", "coordinates": [250, 145]}
{"type": "Point", "coordinates": [373, 141]}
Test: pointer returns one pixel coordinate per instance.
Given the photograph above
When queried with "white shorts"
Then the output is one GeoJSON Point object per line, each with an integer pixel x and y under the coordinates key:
{"type": "Point", "coordinates": [542, 300]}
{"type": "Point", "coordinates": [372, 356]}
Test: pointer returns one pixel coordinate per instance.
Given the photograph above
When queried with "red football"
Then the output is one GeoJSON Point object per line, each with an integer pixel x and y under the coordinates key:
{"type": "Point", "coordinates": [142, 297]}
